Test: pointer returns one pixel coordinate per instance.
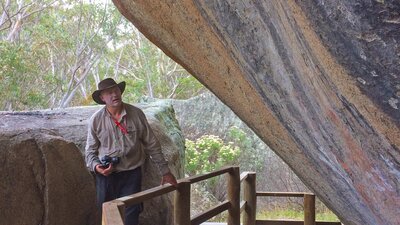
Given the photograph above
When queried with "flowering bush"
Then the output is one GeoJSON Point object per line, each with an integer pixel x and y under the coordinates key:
{"type": "Point", "coordinates": [209, 153]}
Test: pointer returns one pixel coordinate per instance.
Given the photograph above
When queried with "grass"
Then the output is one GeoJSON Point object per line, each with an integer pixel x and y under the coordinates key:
{"type": "Point", "coordinates": [284, 214]}
{"type": "Point", "coordinates": [295, 215]}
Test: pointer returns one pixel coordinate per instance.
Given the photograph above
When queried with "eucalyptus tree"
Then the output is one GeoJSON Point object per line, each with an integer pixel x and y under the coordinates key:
{"type": "Point", "coordinates": [55, 52]}
{"type": "Point", "coordinates": [148, 70]}
{"type": "Point", "coordinates": [17, 60]}
{"type": "Point", "coordinates": [92, 27]}
{"type": "Point", "coordinates": [17, 14]}
{"type": "Point", "coordinates": [48, 49]}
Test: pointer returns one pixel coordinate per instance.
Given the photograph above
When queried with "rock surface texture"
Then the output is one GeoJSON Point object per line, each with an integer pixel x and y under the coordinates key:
{"type": "Point", "coordinates": [317, 80]}
{"type": "Point", "coordinates": [45, 180]}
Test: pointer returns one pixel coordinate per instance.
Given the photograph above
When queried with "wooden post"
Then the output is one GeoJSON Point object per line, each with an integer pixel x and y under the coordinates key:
{"type": "Point", "coordinates": [113, 213]}
{"type": "Point", "coordinates": [309, 209]}
{"type": "Point", "coordinates": [249, 195]}
{"type": "Point", "coordinates": [234, 196]}
{"type": "Point", "coordinates": [182, 203]}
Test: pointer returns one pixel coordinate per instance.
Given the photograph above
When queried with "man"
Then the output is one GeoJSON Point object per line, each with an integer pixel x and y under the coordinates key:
{"type": "Point", "coordinates": [119, 138]}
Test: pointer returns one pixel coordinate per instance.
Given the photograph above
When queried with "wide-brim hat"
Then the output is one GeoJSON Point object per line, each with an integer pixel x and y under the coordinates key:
{"type": "Point", "coordinates": [106, 84]}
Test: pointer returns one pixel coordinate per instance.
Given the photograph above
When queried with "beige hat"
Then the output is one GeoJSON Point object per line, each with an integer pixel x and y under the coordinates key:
{"type": "Point", "coordinates": [106, 84]}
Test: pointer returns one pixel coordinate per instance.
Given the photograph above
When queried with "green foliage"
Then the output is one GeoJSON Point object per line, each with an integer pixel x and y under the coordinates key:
{"type": "Point", "coordinates": [251, 159]}
{"type": "Point", "coordinates": [153, 73]}
{"type": "Point", "coordinates": [11, 60]}
{"type": "Point", "coordinates": [16, 92]}
{"type": "Point", "coordinates": [134, 90]}
{"type": "Point", "coordinates": [209, 153]}
{"type": "Point", "coordinates": [62, 49]}
{"type": "Point", "coordinates": [188, 87]}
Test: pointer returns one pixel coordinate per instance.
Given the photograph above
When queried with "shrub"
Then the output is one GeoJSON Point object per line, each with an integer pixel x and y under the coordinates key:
{"type": "Point", "coordinates": [209, 153]}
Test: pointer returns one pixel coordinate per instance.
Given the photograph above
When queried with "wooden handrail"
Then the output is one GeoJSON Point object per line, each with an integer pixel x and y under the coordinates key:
{"type": "Point", "coordinates": [282, 194]}
{"type": "Point", "coordinates": [206, 176]}
{"type": "Point", "coordinates": [309, 204]}
{"type": "Point", "coordinates": [113, 211]}
{"type": "Point", "coordinates": [147, 194]}
{"type": "Point", "coordinates": [166, 188]}
{"type": "Point", "coordinates": [112, 217]}
{"type": "Point", "coordinates": [204, 216]}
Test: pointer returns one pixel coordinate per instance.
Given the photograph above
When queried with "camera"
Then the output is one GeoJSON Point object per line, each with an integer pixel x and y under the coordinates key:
{"type": "Point", "coordinates": [106, 160]}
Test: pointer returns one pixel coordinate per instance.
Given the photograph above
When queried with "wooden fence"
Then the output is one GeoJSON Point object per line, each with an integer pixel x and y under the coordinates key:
{"type": "Point", "coordinates": [113, 211]}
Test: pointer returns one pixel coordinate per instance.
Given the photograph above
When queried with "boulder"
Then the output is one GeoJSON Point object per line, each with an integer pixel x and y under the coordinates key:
{"type": "Point", "coordinates": [316, 80]}
{"type": "Point", "coordinates": [65, 130]}
{"type": "Point", "coordinates": [44, 180]}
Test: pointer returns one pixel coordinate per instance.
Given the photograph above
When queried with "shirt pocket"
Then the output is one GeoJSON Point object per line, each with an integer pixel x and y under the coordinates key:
{"type": "Point", "coordinates": [132, 135]}
{"type": "Point", "coordinates": [104, 138]}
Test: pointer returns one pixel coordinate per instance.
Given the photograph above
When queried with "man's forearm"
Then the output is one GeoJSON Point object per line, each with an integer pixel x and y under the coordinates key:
{"type": "Point", "coordinates": [91, 159]}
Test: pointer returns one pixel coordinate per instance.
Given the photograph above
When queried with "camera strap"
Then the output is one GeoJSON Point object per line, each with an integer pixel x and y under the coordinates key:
{"type": "Point", "coordinates": [121, 127]}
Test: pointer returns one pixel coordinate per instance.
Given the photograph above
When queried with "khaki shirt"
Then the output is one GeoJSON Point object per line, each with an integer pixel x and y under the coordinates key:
{"type": "Point", "coordinates": [106, 138]}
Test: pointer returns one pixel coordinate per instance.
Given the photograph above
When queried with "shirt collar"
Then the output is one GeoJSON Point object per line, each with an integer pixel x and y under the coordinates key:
{"type": "Point", "coordinates": [123, 113]}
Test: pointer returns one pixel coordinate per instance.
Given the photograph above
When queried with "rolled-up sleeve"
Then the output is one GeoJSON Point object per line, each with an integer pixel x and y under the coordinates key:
{"type": "Point", "coordinates": [92, 145]}
{"type": "Point", "coordinates": [152, 146]}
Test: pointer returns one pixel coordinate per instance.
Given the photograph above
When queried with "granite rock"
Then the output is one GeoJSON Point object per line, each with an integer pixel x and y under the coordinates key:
{"type": "Point", "coordinates": [44, 150]}
{"type": "Point", "coordinates": [316, 80]}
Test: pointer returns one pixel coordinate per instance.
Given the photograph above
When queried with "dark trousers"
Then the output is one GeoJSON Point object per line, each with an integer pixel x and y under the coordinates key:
{"type": "Point", "coordinates": [118, 185]}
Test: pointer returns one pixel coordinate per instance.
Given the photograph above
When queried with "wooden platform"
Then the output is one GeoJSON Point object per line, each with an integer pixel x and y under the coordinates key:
{"type": "Point", "coordinates": [212, 223]}
{"type": "Point", "coordinates": [275, 222]}
{"type": "Point", "coordinates": [292, 222]}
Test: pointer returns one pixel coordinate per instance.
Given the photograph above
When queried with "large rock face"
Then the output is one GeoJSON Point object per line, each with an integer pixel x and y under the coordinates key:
{"type": "Point", "coordinates": [45, 178]}
{"type": "Point", "coordinates": [316, 80]}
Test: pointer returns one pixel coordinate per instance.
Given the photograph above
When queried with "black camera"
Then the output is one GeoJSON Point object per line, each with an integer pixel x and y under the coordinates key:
{"type": "Point", "coordinates": [106, 160]}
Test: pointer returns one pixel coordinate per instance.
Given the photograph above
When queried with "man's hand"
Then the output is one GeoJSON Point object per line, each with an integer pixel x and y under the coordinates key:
{"type": "Point", "coordinates": [104, 171]}
{"type": "Point", "coordinates": [169, 178]}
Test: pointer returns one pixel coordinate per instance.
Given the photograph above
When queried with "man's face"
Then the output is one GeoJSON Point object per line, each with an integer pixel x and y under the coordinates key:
{"type": "Point", "coordinates": [111, 96]}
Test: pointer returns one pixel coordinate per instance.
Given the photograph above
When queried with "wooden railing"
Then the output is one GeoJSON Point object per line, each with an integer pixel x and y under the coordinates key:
{"type": "Point", "coordinates": [113, 211]}
{"type": "Point", "coordinates": [309, 208]}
